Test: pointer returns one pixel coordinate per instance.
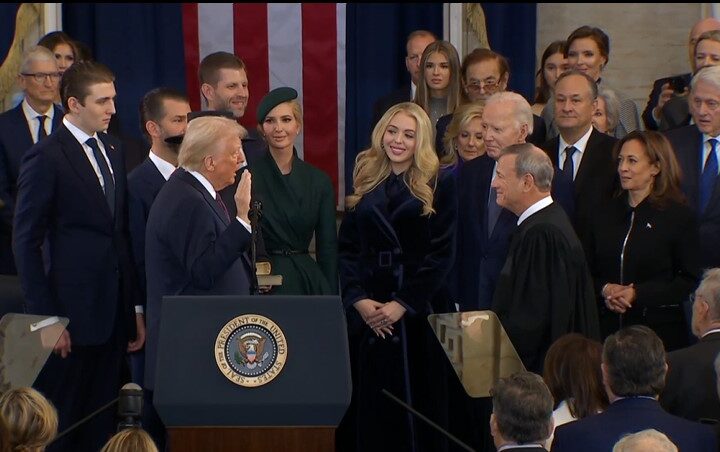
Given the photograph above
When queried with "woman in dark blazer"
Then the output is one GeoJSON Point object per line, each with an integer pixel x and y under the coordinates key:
{"type": "Point", "coordinates": [396, 247]}
{"type": "Point", "coordinates": [643, 245]}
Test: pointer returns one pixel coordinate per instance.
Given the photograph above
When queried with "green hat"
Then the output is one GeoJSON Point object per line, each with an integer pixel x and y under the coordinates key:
{"type": "Point", "coordinates": [273, 99]}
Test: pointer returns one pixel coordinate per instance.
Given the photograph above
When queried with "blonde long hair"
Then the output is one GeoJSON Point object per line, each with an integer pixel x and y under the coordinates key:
{"type": "Point", "coordinates": [372, 165]}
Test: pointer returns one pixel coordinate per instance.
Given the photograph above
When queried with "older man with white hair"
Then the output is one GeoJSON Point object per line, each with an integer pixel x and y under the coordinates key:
{"type": "Point", "coordinates": [545, 289]}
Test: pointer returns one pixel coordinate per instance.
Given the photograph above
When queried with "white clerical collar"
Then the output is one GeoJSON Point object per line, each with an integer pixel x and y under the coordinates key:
{"type": "Point", "coordinates": [714, 330]}
{"type": "Point", "coordinates": [519, 446]}
{"type": "Point", "coordinates": [543, 203]}
{"type": "Point", "coordinates": [165, 168]}
{"type": "Point", "coordinates": [205, 183]}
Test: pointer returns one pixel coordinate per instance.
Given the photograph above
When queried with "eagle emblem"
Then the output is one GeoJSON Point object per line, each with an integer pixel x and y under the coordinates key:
{"type": "Point", "coordinates": [251, 350]}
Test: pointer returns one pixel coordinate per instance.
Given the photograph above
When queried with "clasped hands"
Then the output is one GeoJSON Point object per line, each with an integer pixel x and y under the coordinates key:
{"type": "Point", "coordinates": [619, 298]}
{"type": "Point", "coordinates": [380, 317]}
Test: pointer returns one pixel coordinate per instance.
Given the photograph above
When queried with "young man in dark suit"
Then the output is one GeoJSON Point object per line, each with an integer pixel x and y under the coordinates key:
{"type": "Point", "coordinates": [580, 151]}
{"type": "Point", "coordinates": [72, 212]}
{"type": "Point", "coordinates": [35, 118]}
{"type": "Point", "coordinates": [633, 369]}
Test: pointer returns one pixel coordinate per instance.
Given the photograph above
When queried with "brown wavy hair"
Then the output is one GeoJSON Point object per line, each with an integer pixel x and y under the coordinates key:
{"type": "Point", "coordinates": [543, 92]}
{"type": "Point", "coordinates": [372, 165]}
{"type": "Point", "coordinates": [422, 95]}
{"type": "Point", "coordinates": [572, 372]}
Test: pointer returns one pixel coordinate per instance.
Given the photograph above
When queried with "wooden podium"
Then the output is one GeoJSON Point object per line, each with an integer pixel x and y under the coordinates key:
{"type": "Point", "coordinates": [196, 392]}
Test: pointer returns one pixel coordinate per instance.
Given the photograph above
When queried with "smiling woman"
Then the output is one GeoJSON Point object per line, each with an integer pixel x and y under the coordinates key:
{"type": "Point", "coordinates": [297, 202]}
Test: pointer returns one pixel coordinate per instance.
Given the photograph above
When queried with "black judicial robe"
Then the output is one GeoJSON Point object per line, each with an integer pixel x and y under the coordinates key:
{"type": "Point", "coordinates": [545, 289]}
{"type": "Point", "coordinates": [388, 251]}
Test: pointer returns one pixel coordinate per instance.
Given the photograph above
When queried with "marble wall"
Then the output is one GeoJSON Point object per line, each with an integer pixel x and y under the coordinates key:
{"type": "Point", "coordinates": [647, 40]}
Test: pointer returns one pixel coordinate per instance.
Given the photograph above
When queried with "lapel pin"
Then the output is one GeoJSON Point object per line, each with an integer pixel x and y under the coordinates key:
{"type": "Point", "coordinates": [648, 225]}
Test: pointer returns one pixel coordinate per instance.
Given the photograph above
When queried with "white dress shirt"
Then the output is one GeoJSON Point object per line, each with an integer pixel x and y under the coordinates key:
{"type": "Point", "coordinates": [31, 116]}
{"type": "Point", "coordinates": [580, 145]}
{"type": "Point", "coordinates": [706, 150]}
{"type": "Point", "coordinates": [208, 186]}
{"type": "Point", "coordinates": [165, 168]}
{"type": "Point", "coordinates": [82, 137]}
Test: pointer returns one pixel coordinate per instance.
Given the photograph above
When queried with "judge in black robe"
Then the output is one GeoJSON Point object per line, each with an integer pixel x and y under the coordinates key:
{"type": "Point", "coordinates": [544, 290]}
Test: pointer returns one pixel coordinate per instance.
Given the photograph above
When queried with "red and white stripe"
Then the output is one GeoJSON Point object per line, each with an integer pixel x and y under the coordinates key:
{"type": "Point", "coordinates": [288, 44]}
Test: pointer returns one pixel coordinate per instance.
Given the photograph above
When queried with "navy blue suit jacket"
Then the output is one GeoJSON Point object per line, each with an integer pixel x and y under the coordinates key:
{"type": "Point", "coordinates": [480, 256]}
{"type": "Point", "coordinates": [144, 183]}
{"type": "Point", "coordinates": [600, 432]}
{"type": "Point", "coordinates": [191, 249]}
{"type": "Point", "coordinates": [60, 202]}
{"type": "Point", "coordinates": [15, 140]}
{"type": "Point", "coordinates": [687, 143]}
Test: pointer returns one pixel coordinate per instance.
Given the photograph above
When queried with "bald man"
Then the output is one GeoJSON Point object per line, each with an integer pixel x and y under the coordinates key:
{"type": "Point", "coordinates": [663, 89]}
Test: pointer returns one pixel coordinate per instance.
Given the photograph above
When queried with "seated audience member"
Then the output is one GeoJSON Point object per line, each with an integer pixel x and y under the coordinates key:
{"type": "Point", "coordinates": [696, 150]}
{"type": "Point", "coordinates": [464, 135]}
{"type": "Point", "coordinates": [521, 418]}
{"type": "Point", "coordinates": [484, 73]}
{"type": "Point", "coordinates": [552, 64]}
{"type": "Point", "coordinates": [642, 245]}
{"type": "Point", "coordinates": [665, 88]}
{"type": "Point", "coordinates": [130, 440]}
{"type": "Point", "coordinates": [438, 90]}
{"type": "Point", "coordinates": [690, 383]}
{"type": "Point", "coordinates": [676, 112]}
{"type": "Point", "coordinates": [31, 419]}
{"type": "Point", "coordinates": [572, 373]}
{"type": "Point", "coordinates": [416, 43]}
{"type": "Point", "coordinates": [588, 50]}
{"type": "Point", "coordinates": [649, 440]}
{"type": "Point", "coordinates": [633, 368]}
{"type": "Point", "coordinates": [607, 114]}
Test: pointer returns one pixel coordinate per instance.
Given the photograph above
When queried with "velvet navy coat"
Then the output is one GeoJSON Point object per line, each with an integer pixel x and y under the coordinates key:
{"type": "Point", "coordinates": [397, 254]}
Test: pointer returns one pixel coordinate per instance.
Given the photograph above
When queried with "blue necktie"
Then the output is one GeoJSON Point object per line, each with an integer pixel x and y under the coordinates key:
{"type": "Point", "coordinates": [41, 128]}
{"type": "Point", "coordinates": [568, 166]}
{"type": "Point", "coordinates": [105, 172]}
{"type": "Point", "coordinates": [709, 176]}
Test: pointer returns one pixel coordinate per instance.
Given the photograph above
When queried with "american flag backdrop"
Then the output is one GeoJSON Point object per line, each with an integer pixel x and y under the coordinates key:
{"type": "Point", "coordinates": [289, 44]}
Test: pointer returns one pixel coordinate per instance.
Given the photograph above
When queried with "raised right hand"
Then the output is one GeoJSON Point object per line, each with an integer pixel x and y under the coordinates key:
{"type": "Point", "coordinates": [242, 196]}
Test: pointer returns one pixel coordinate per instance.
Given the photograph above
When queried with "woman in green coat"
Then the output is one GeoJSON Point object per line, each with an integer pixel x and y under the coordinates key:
{"type": "Point", "coordinates": [297, 201]}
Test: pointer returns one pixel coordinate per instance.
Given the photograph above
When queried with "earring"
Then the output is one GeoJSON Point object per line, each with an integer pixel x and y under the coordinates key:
{"type": "Point", "coordinates": [382, 146]}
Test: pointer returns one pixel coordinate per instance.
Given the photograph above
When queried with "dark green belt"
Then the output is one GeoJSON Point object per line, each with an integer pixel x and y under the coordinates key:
{"type": "Point", "coordinates": [286, 252]}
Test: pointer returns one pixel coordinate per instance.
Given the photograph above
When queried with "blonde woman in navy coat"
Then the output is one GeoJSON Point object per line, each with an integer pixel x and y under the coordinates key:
{"type": "Point", "coordinates": [396, 249]}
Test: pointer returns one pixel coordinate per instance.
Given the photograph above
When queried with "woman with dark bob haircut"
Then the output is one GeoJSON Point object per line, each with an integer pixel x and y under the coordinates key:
{"type": "Point", "coordinates": [572, 373]}
{"type": "Point", "coordinates": [643, 247]}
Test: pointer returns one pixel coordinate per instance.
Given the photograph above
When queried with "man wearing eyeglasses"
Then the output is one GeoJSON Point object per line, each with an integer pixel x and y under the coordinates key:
{"type": "Point", "coordinates": [416, 43]}
{"type": "Point", "coordinates": [20, 128]}
{"type": "Point", "coordinates": [690, 388]}
{"type": "Point", "coordinates": [696, 148]}
{"type": "Point", "coordinates": [485, 73]}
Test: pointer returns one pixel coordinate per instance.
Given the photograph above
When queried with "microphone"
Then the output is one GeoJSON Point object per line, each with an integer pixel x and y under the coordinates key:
{"type": "Point", "coordinates": [130, 406]}
{"type": "Point", "coordinates": [428, 421]}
